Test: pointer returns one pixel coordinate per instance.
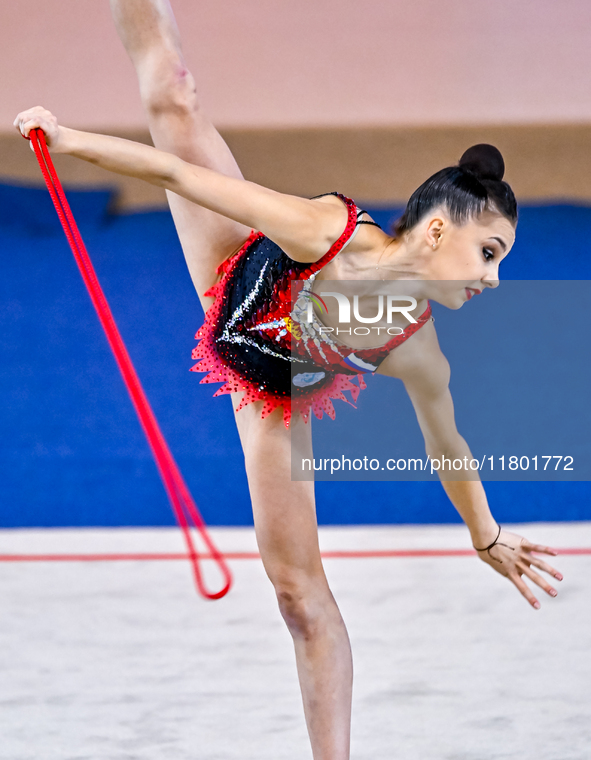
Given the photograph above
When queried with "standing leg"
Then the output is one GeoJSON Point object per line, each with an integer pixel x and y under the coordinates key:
{"type": "Point", "coordinates": [287, 535]}
{"type": "Point", "coordinates": [178, 125]}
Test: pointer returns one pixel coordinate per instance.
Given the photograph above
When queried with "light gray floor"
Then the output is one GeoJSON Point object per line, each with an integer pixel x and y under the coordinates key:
{"type": "Point", "coordinates": [121, 660]}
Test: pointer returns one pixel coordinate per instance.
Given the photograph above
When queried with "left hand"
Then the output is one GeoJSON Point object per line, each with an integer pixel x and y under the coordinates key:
{"type": "Point", "coordinates": [513, 556]}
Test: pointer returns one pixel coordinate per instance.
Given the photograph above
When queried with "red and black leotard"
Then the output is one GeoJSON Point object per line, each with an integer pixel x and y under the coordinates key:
{"type": "Point", "coordinates": [252, 342]}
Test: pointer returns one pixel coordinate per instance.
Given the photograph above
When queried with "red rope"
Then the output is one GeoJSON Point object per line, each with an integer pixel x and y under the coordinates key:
{"type": "Point", "coordinates": [183, 505]}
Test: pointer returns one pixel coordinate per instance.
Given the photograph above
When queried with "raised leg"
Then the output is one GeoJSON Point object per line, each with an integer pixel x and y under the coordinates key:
{"type": "Point", "coordinates": [287, 535]}
{"type": "Point", "coordinates": [178, 125]}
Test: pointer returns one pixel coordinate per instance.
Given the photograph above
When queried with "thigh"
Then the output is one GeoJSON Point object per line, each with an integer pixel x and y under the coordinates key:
{"type": "Point", "coordinates": [206, 237]}
{"type": "Point", "coordinates": [284, 510]}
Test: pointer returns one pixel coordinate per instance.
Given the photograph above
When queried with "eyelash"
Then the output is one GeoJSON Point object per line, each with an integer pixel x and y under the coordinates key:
{"type": "Point", "coordinates": [491, 254]}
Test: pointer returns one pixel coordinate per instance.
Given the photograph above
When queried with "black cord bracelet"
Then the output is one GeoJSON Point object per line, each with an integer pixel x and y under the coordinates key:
{"type": "Point", "coordinates": [494, 543]}
{"type": "Point", "coordinates": [490, 546]}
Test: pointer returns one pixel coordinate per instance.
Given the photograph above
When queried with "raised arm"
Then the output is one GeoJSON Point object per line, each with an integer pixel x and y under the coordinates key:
{"type": "Point", "coordinates": [425, 373]}
{"type": "Point", "coordinates": [304, 229]}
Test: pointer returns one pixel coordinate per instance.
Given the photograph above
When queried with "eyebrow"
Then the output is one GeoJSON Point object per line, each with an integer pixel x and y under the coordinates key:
{"type": "Point", "coordinates": [501, 241]}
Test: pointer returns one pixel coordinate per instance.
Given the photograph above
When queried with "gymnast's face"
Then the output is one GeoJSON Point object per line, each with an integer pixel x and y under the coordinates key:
{"type": "Point", "coordinates": [466, 257]}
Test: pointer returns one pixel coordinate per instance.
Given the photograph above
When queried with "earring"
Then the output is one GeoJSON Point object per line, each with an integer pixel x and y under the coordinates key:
{"type": "Point", "coordinates": [434, 245]}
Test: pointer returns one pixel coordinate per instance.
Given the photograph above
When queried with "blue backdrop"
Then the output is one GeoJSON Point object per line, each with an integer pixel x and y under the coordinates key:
{"type": "Point", "coordinates": [71, 450]}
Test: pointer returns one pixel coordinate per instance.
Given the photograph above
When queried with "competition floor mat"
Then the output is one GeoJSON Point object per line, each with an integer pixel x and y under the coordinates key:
{"type": "Point", "coordinates": [120, 660]}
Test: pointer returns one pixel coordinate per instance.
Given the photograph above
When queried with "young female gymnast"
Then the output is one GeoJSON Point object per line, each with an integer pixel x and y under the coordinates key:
{"type": "Point", "coordinates": [456, 229]}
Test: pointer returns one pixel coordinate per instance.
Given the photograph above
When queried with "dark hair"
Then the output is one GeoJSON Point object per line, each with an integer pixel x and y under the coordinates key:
{"type": "Point", "coordinates": [465, 191]}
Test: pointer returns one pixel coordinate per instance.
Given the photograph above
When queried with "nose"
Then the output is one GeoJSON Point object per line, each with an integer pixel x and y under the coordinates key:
{"type": "Point", "coordinates": [492, 279]}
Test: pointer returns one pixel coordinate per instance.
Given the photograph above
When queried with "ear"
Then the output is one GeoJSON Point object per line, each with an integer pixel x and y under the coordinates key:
{"type": "Point", "coordinates": [434, 231]}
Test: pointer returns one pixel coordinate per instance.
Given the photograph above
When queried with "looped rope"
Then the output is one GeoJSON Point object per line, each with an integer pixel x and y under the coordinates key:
{"type": "Point", "coordinates": [184, 507]}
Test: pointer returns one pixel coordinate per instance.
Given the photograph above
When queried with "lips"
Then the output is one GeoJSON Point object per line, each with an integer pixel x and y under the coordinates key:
{"type": "Point", "coordinates": [470, 292]}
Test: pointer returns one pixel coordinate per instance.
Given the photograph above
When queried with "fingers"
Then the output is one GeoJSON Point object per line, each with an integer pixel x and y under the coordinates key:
{"type": "Point", "coordinates": [25, 122]}
{"type": "Point", "coordinates": [537, 579]}
{"type": "Point", "coordinates": [540, 548]}
{"type": "Point", "coordinates": [545, 567]}
{"type": "Point", "coordinates": [29, 125]}
{"type": "Point", "coordinates": [520, 562]}
{"type": "Point", "coordinates": [524, 590]}
{"type": "Point", "coordinates": [34, 118]}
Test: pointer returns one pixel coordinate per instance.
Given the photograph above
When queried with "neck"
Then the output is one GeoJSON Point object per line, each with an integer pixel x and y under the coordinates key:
{"type": "Point", "coordinates": [400, 260]}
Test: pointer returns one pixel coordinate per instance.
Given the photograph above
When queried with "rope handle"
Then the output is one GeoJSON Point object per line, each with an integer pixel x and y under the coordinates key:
{"type": "Point", "coordinates": [184, 507]}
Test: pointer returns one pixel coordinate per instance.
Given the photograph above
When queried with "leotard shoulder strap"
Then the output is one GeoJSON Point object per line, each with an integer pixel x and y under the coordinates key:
{"type": "Point", "coordinates": [339, 244]}
{"type": "Point", "coordinates": [360, 211]}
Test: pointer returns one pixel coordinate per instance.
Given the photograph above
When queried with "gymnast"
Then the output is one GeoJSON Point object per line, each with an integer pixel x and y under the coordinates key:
{"type": "Point", "coordinates": [279, 366]}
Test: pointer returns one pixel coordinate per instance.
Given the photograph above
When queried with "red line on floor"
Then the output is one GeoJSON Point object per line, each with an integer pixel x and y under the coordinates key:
{"type": "Point", "coordinates": [162, 556]}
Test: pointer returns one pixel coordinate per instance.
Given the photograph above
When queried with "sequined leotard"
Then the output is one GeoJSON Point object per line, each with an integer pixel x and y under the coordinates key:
{"type": "Point", "coordinates": [255, 340]}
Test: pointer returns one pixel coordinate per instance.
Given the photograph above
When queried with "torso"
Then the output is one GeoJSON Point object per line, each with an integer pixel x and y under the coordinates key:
{"type": "Point", "coordinates": [357, 263]}
{"type": "Point", "coordinates": [256, 339]}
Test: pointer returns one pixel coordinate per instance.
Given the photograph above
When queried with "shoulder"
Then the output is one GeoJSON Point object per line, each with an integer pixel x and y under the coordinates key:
{"type": "Point", "coordinates": [338, 200]}
{"type": "Point", "coordinates": [367, 237]}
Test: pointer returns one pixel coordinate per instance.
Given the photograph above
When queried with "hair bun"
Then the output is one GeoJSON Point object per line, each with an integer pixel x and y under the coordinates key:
{"type": "Point", "coordinates": [483, 160]}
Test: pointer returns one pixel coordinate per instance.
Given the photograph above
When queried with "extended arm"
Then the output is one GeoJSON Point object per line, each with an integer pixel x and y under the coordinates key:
{"type": "Point", "coordinates": [304, 229]}
{"type": "Point", "coordinates": [426, 375]}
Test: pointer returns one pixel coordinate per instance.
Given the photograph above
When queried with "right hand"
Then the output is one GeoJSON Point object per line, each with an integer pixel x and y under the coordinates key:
{"type": "Point", "coordinates": [39, 118]}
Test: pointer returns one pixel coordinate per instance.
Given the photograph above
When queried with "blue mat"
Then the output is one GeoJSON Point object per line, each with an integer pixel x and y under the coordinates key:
{"type": "Point", "coordinates": [71, 450]}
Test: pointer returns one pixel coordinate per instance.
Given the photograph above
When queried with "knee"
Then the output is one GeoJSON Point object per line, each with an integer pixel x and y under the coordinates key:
{"type": "Point", "coordinates": [167, 87]}
{"type": "Point", "coordinates": [300, 606]}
